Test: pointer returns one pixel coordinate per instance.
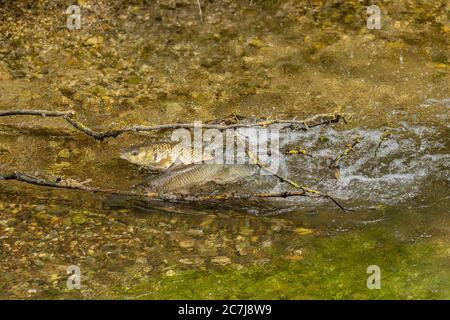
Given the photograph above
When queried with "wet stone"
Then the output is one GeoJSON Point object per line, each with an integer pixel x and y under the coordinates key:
{"type": "Point", "coordinates": [221, 260]}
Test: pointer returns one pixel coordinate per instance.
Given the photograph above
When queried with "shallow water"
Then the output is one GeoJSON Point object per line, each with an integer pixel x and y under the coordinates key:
{"type": "Point", "coordinates": [288, 248]}
{"type": "Point", "coordinates": [152, 63]}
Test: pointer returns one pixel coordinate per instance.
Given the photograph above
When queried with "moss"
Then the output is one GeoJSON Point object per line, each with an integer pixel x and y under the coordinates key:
{"type": "Point", "coordinates": [408, 271]}
{"type": "Point", "coordinates": [79, 219]}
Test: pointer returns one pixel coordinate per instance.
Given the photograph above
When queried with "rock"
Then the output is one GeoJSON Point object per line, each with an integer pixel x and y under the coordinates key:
{"type": "Point", "coordinates": [303, 231]}
{"type": "Point", "coordinates": [38, 263]}
{"type": "Point", "coordinates": [193, 260]}
{"type": "Point", "coordinates": [64, 153]}
{"type": "Point", "coordinates": [294, 257]}
{"type": "Point", "coordinates": [186, 244]}
{"type": "Point", "coordinates": [221, 260]}
{"type": "Point", "coordinates": [170, 273]}
{"type": "Point", "coordinates": [40, 208]}
{"type": "Point", "coordinates": [209, 62]}
{"type": "Point", "coordinates": [195, 232]}
{"type": "Point", "coordinates": [256, 43]}
{"type": "Point", "coordinates": [242, 249]}
{"type": "Point", "coordinates": [141, 260]}
{"type": "Point", "coordinates": [168, 4]}
{"type": "Point", "coordinates": [93, 41]}
{"type": "Point", "coordinates": [4, 74]}
{"type": "Point", "coordinates": [186, 261]}
{"type": "Point", "coordinates": [207, 249]}
{"type": "Point", "coordinates": [147, 269]}
{"type": "Point", "coordinates": [174, 107]}
{"type": "Point", "coordinates": [79, 219]}
{"type": "Point", "coordinates": [32, 291]}
{"type": "Point", "coordinates": [266, 244]}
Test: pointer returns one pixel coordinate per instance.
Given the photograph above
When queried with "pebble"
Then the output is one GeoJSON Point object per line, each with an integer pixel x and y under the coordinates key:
{"type": "Point", "coordinates": [186, 244]}
{"type": "Point", "coordinates": [170, 273]}
{"type": "Point", "coordinates": [40, 208]}
{"type": "Point", "coordinates": [221, 260]}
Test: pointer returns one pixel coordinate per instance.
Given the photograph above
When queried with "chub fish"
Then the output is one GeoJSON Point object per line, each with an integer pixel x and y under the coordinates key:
{"type": "Point", "coordinates": [200, 174]}
{"type": "Point", "coordinates": [161, 156]}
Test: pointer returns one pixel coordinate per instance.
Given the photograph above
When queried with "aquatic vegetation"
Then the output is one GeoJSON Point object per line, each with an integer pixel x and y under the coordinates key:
{"type": "Point", "coordinates": [323, 273]}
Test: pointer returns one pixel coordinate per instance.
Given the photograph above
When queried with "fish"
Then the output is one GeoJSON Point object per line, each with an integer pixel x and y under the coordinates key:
{"type": "Point", "coordinates": [162, 156]}
{"type": "Point", "coordinates": [200, 174]}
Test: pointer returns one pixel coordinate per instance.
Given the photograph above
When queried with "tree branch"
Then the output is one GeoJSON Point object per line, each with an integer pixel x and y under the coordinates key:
{"type": "Point", "coordinates": [74, 185]}
{"type": "Point", "coordinates": [305, 190]}
{"type": "Point", "coordinates": [71, 117]}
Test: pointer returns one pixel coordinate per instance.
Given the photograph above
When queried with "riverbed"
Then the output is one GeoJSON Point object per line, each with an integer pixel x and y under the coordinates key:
{"type": "Point", "coordinates": [145, 62]}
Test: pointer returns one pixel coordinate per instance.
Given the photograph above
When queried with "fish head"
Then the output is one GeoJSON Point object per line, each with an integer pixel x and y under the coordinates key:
{"type": "Point", "coordinates": [152, 156]}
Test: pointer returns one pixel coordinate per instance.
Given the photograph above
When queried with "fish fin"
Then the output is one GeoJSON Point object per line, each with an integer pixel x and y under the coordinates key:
{"type": "Point", "coordinates": [180, 166]}
{"type": "Point", "coordinates": [165, 163]}
{"type": "Point", "coordinates": [224, 176]}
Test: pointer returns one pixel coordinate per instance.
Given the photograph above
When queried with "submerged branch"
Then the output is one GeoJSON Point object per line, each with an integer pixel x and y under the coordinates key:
{"type": "Point", "coordinates": [385, 135]}
{"type": "Point", "coordinates": [74, 185]}
{"type": "Point", "coordinates": [305, 190]}
{"type": "Point", "coordinates": [333, 163]}
{"type": "Point", "coordinates": [42, 113]}
{"type": "Point", "coordinates": [298, 151]}
{"type": "Point", "coordinates": [348, 149]}
{"type": "Point", "coordinates": [71, 117]}
{"type": "Point", "coordinates": [59, 183]}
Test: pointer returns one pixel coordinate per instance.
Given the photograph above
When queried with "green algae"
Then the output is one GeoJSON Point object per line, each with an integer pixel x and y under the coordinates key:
{"type": "Point", "coordinates": [333, 268]}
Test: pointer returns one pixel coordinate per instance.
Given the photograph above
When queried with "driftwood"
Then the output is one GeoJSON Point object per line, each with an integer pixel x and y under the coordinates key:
{"type": "Point", "coordinates": [73, 185]}
{"type": "Point", "coordinates": [71, 118]}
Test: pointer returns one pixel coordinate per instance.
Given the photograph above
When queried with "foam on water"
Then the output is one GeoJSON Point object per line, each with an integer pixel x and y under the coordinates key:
{"type": "Point", "coordinates": [405, 163]}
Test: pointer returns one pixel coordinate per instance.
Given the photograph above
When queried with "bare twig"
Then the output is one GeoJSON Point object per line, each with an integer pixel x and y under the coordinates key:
{"type": "Point", "coordinates": [385, 135]}
{"type": "Point", "coordinates": [227, 196]}
{"type": "Point", "coordinates": [298, 151]}
{"type": "Point", "coordinates": [200, 10]}
{"type": "Point", "coordinates": [333, 164]}
{"type": "Point", "coordinates": [71, 117]}
{"type": "Point", "coordinates": [58, 183]}
{"type": "Point", "coordinates": [348, 149]}
{"type": "Point", "coordinates": [307, 191]}
{"type": "Point", "coordinates": [42, 113]}
{"type": "Point", "coordinates": [313, 11]}
{"type": "Point", "coordinates": [73, 185]}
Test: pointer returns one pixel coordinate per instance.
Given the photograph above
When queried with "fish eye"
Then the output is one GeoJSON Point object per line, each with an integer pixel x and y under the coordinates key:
{"type": "Point", "coordinates": [134, 152]}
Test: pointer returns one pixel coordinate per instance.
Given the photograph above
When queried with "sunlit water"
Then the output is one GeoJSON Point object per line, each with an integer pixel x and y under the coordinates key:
{"type": "Point", "coordinates": [399, 195]}
{"type": "Point", "coordinates": [150, 64]}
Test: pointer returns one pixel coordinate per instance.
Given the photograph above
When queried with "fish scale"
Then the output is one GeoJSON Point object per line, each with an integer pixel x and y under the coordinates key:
{"type": "Point", "coordinates": [183, 167]}
{"type": "Point", "coordinates": [199, 174]}
{"type": "Point", "coordinates": [161, 156]}
{"type": "Point", "coordinates": [191, 175]}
